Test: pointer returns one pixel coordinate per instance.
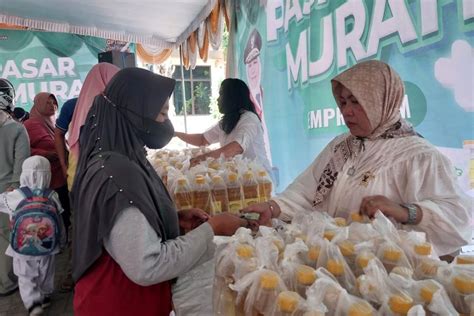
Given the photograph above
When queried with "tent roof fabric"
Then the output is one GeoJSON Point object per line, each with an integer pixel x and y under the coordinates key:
{"type": "Point", "coordinates": [159, 23]}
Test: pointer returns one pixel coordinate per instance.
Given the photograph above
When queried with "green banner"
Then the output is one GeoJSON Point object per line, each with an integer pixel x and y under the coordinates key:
{"type": "Point", "coordinates": [46, 62]}
{"type": "Point", "coordinates": [288, 50]}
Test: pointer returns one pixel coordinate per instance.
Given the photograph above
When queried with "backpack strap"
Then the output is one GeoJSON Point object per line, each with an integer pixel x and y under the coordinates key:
{"type": "Point", "coordinates": [46, 193]}
{"type": "Point", "coordinates": [26, 192]}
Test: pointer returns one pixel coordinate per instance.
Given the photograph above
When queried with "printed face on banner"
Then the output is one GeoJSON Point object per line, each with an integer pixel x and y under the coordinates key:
{"type": "Point", "coordinates": [254, 73]}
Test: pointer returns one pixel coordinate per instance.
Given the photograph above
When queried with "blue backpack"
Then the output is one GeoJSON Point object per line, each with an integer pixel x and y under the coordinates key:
{"type": "Point", "coordinates": [35, 224]}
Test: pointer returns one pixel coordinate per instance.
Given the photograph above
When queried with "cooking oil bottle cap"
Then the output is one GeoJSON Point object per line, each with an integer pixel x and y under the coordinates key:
{"type": "Point", "coordinates": [423, 249]}
{"type": "Point", "coordinates": [313, 253]}
{"type": "Point", "coordinates": [356, 217]}
{"type": "Point", "coordinates": [288, 301]}
{"type": "Point", "coordinates": [340, 221]}
{"type": "Point", "coordinates": [217, 179]}
{"type": "Point", "coordinates": [269, 280]}
{"type": "Point", "coordinates": [429, 268]}
{"type": "Point", "coordinates": [305, 274]}
{"type": "Point", "coordinates": [329, 234]}
{"type": "Point", "coordinates": [360, 308]}
{"type": "Point", "coordinates": [200, 180]}
{"type": "Point", "coordinates": [400, 304]}
{"type": "Point", "coordinates": [244, 251]}
{"type": "Point", "coordinates": [336, 267]}
{"type": "Point", "coordinates": [428, 290]}
{"type": "Point", "coordinates": [465, 259]}
{"type": "Point", "coordinates": [232, 176]}
{"type": "Point", "coordinates": [464, 284]}
{"type": "Point", "coordinates": [363, 259]}
{"type": "Point", "coordinates": [392, 254]}
{"type": "Point", "coordinates": [182, 181]}
{"type": "Point", "coordinates": [262, 173]}
{"type": "Point", "coordinates": [347, 248]}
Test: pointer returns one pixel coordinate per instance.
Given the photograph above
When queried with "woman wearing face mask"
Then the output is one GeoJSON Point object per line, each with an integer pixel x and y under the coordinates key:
{"type": "Point", "coordinates": [132, 246]}
{"type": "Point", "coordinates": [238, 132]}
{"type": "Point", "coordinates": [382, 164]}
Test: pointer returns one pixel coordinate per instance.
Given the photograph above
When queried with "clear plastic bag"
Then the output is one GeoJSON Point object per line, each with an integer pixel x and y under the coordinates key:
{"type": "Point", "coordinates": [392, 256]}
{"type": "Point", "coordinates": [325, 291]}
{"type": "Point", "coordinates": [372, 285]}
{"type": "Point", "coordinates": [258, 291]}
{"type": "Point", "coordinates": [458, 280]}
{"type": "Point", "coordinates": [332, 259]}
{"type": "Point", "coordinates": [352, 305]}
{"type": "Point", "coordinates": [288, 303]}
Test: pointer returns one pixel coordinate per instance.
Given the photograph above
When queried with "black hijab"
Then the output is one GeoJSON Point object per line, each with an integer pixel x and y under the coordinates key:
{"type": "Point", "coordinates": [113, 172]}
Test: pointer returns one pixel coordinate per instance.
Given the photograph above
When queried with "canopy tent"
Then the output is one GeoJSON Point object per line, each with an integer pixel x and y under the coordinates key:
{"type": "Point", "coordinates": [159, 25]}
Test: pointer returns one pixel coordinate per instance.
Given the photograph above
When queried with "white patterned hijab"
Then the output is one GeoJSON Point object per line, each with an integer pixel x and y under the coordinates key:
{"type": "Point", "coordinates": [379, 90]}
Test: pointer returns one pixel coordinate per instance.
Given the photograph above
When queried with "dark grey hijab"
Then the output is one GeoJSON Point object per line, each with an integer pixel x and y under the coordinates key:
{"type": "Point", "coordinates": [113, 172]}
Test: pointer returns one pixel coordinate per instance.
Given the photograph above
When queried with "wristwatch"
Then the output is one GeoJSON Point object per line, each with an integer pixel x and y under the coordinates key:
{"type": "Point", "coordinates": [412, 214]}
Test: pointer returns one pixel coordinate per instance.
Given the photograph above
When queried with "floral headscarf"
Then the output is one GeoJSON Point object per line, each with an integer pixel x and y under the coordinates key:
{"type": "Point", "coordinates": [379, 90]}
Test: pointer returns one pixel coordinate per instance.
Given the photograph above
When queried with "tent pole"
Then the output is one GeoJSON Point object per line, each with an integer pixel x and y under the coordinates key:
{"type": "Point", "coordinates": [183, 88]}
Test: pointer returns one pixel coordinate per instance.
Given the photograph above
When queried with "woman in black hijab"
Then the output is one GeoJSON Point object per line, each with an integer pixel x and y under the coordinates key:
{"type": "Point", "coordinates": [127, 246]}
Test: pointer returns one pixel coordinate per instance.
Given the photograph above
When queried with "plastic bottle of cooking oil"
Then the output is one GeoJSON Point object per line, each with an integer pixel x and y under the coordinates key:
{"type": "Point", "coordinates": [220, 200]}
{"type": "Point", "coordinates": [264, 186]}
{"type": "Point", "coordinates": [182, 194]}
{"type": "Point", "coordinates": [250, 187]}
{"type": "Point", "coordinates": [234, 192]}
{"type": "Point", "coordinates": [202, 194]}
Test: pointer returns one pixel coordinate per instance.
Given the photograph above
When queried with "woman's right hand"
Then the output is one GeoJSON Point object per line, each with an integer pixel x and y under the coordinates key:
{"type": "Point", "coordinates": [225, 224]}
{"type": "Point", "coordinates": [264, 209]}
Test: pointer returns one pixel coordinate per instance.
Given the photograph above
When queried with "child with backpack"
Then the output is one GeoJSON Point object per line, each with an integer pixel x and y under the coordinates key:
{"type": "Point", "coordinates": [37, 233]}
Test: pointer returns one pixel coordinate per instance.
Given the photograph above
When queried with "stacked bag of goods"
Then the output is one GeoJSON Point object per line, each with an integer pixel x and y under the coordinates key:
{"type": "Point", "coordinates": [319, 265]}
{"type": "Point", "coordinates": [214, 185]}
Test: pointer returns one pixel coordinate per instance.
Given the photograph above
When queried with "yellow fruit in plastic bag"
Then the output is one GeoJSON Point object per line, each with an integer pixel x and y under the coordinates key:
{"type": "Point", "coordinates": [305, 275]}
{"type": "Point", "coordinates": [288, 301]}
{"type": "Point", "coordinates": [269, 280]}
{"type": "Point", "coordinates": [400, 304]}
{"type": "Point", "coordinates": [423, 249]}
{"type": "Point", "coordinates": [335, 267]}
{"type": "Point", "coordinates": [427, 292]}
{"type": "Point", "coordinates": [363, 260]}
{"type": "Point", "coordinates": [464, 259]}
{"type": "Point", "coordinates": [360, 309]}
{"type": "Point", "coordinates": [347, 248]}
{"type": "Point", "coordinates": [464, 284]}
{"type": "Point", "coordinates": [313, 253]}
{"type": "Point", "coordinates": [392, 254]}
{"type": "Point", "coordinates": [244, 251]}
{"type": "Point", "coordinates": [340, 221]}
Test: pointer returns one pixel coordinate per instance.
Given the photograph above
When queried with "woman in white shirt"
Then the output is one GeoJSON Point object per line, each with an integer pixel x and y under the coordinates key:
{"type": "Point", "coordinates": [381, 164]}
{"type": "Point", "coordinates": [239, 131]}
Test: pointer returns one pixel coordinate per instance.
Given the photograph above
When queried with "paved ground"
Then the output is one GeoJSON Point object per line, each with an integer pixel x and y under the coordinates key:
{"type": "Point", "coordinates": [61, 304]}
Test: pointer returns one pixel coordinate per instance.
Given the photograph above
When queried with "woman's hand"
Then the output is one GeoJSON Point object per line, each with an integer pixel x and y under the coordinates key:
{"type": "Point", "coordinates": [196, 160]}
{"type": "Point", "coordinates": [191, 218]}
{"type": "Point", "coordinates": [267, 211]}
{"type": "Point", "coordinates": [371, 204]}
{"type": "Point", "coordinates": [225, 224]}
